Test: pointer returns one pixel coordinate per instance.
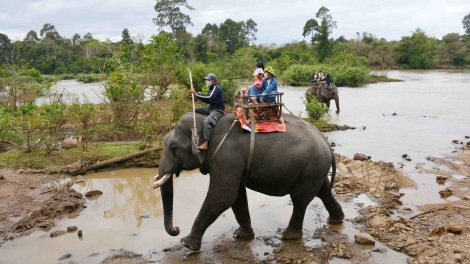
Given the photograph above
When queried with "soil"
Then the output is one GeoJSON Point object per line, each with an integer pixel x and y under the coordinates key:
{"type": "Point", "coordinates": [437, 233]}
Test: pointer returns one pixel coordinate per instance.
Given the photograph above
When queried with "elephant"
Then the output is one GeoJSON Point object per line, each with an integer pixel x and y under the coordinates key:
{"type": "Point", "coordinates": [324, 95]}
{"type": "Point", "coordinates": [295, 162]}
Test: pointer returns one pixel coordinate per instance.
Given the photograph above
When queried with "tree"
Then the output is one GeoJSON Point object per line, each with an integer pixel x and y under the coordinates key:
{"type": "Point", "coordinates": [213, 29]}
{"type": "Point", "coordinates": [169, 14]}
{"type": "Point", "coordinates": [454, 48]}
{"type": "Point", "coordinates": [251, 29]}
{"type": "Point", "coordinates": [76, 39]}
{"type": "Point", "coordinates": [233, 34]}
{"type": "Point", "coordinates": [162, 61]}
{"type": "Point", "coordinates": [31, 37]}
{"type": "Point", "coordinates": [415, 50]}
{"type": "Point", "coordinates": [466, 23]}
{"type": "Point", "coordinates": [48, 31]}
{"type": "Point", "coordinates": [126, 37]}
{"type": "Point", "coordinates": [320, 39]}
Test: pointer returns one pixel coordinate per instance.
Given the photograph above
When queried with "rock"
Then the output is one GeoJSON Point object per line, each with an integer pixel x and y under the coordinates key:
{"type": "Point", "coordinates": [446, 192]}
{"type": "Point", "coordinates": [80, 234]}
{"type": "Point", "coordinates": [144, 216]}
{"type": "Point", "coordinates": [467, 136]}
{"type": "Point", "coordinates": [466, 197]}
{"type": "Point", "coordinates": [57, 233]}
{"type": "Point", "coordinates": [455, 141]}
{"type": "Point", "coordinates": [276, 250]}
{"type": "Point", "coordinates": [69, 143]}
{"type": "Point", "coordinates": [394, 114]}
{"type": "Point", "coordinates": [458, 257]}
{"type": "Point", "coordinates": [80, 178]}
{"type": "Point", "coordinates": [2, 178]}
{"type": "Point", "coordinates": [360, 157]}
{"type": "Point", "coordinates": [65, 256]}
{"type": "Point", "coordinates": [441, 177]}
{"type": "Point", "coordinates": [408, 159]}
{"type": "Point", "coordinates": [402, 226]}
{"type": "Point", "coordinates": [381, 249]}
{"type": "Point", "coordinates": [71, 228]}
{"type": "Point", "coordinates": [93, 193]}
{"type": "Point", "coordinates": [266, 253]}
{"type": "Point", "coordinates": [270, 258]}
{"type": "Point", "coordinates": [363, 238]}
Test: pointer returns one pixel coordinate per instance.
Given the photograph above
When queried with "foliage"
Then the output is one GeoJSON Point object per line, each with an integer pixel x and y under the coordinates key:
{"type": "Point", "coordinates": [90, 78]}
{"type": "Point", "coordinates": [229, 87]}
{"type": "Point", "coordinates": [233, 34]}
{"type": "Point", "coordinates": [342, 74]}
{"type": "Point", "coordinates": [315, 109]}
{"type": "Point", "coordinates": [415, 50]}
{"type": "Point", "coordinates": [320, 39]}
{"type": "Point", "coordinates": [162, 62]}
{"type": "Point", "coordinates": [466, 23]}
{"type": "Point", "coordinates": [169, 14]}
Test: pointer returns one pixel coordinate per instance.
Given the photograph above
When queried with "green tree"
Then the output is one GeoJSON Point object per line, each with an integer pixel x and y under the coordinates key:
{"type": "Point", "coordinates": [415, 50]}
{"type": "Point", "coordinates": [233, 34]}
{"type": "Point", "coordinates": [76, 39]}
{"type": "Point", "coordinates": [251, 29]}
{"type": "Point", "coordinates": [49, 31]}
{"type": "Point", "coordinates": [454, 48]}
{"type": "Point", "coordinates": [162, 61]}
{"type": "Point", "coordinates": [466, 23]}
{"type": "Point", "coordinates": [320, 39]}
{"type": "Point", "coordinates": [169, 14]}
{"type": "Point", "coordinates": [126, 37]}
{"type": "Point", "coordinates": [31, 37]}
{"type": "Point", "coordinates": [214, 29]}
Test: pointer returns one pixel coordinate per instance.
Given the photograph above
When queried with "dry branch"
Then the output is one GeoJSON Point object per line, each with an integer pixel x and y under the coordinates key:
{"type": "Point", "coordinates": [120, 159]}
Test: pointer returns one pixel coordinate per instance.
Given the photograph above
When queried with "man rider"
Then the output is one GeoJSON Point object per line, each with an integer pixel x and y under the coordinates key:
{"type": "Point", "coordinates": [215, 99]}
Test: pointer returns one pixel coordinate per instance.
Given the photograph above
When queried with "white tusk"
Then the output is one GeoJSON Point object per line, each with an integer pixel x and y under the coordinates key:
{"type": "Point", "coordinates": [162, 181]}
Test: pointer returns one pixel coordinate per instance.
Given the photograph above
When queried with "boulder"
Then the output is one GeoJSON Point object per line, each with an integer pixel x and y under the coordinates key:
{"type": "Point", "coordinates": [57, 233]}
{"type": "Point", "coordinates": [71, 228]}
{"type": "Point", "coordinates": [93, 193]}
{"type": "Point", "coordinates": [80, 178]}
{"type": "Point", "coordinates": [2, 178]}
{"type": "Point", "coordinates": [363, 238]}
{"type": "Point", "coordinates": [65, 256]}
{"type": "Point", "coordinates": [69, 143]}
{"type": "Point", "coordinates": [360, 157]}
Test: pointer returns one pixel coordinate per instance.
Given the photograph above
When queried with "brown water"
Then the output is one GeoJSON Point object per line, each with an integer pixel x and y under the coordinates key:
{"type": "Point", "coordinates": [432, 109]}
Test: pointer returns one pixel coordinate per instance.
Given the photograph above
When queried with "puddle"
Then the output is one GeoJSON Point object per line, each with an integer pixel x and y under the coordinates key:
{"type": "Point", "coordinates": [364, 200]}
{"type": "Point", "coordinates": [459, 177]}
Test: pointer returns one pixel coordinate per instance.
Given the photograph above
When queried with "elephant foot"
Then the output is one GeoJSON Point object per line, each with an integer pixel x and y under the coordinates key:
{"type": "Point", "coordinates": [291, 233]}
{"type": "Point", "coordinates": [191, 242]}
{"type": "Point", "coordinates": [244, 233]}
{"type": "Point", "coordinates": [335, 221]}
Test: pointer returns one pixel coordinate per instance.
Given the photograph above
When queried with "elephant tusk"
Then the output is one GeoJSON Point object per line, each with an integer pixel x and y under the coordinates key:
{"type": "Point", "coordinates": [162, 181]}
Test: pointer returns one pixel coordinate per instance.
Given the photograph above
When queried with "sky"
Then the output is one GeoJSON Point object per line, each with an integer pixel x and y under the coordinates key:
{"type": "Point", "coordinates": [279, 21]}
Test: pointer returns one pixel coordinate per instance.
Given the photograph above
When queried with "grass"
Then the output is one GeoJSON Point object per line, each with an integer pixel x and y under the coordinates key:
{"type": "Point", "coordinates": [382, 78]}
{"type": "Point", "coordinates": [60, 162]}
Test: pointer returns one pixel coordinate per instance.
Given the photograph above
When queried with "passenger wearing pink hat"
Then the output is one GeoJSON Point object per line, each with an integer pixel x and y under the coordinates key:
{"type": "Point", "coordinates": [256, 90]}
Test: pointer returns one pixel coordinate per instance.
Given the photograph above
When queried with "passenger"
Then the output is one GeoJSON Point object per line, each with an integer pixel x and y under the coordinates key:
{"type": "Point", "coordinates": [255, 90]}
{"type": "Point", "coordinates": [328, 80]}
{"type": "Point", "coordinates": [260, 65]}
{"type": "Point", "coordinates": [315, 77]}
{"type": "Point", "coordinates": [215, 99]}
{"type": "Point", "coordinates": [320, 75]}
{"type": "Point", "coordinates": [269, 86]}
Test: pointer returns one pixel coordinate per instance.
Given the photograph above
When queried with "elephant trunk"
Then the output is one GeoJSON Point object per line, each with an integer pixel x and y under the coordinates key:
{"type": "Point", "coordinates": [167, 198]}
{"type": "Point", "coordinates": [337, 102]}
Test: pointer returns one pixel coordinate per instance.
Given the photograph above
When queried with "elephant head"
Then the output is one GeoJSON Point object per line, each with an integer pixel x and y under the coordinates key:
{"type": "Point", "coordinates": [324, 95]}
{"type": "Point", "coordinates": [176, 156]}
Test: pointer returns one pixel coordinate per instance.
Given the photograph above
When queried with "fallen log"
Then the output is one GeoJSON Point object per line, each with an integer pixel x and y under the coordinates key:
{"type": "Point", "coordinates": [11, 143]}
{"type": "Point", "coordinates": [119, 159]}
{"type": "Point", "coordinates": [429, 211]}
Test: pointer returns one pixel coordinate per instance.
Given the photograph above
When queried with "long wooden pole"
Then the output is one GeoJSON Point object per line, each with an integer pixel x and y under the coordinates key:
{"type": "Point", "coordinates": [192, 95]}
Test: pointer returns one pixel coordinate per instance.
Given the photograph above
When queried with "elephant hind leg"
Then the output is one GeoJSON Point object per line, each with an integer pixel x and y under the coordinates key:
{"type": "Point", "coordinates": [242, 214]}
{"type": "Point", "coordinates": [332, 206]}
{"type": "Point", "coordinates": [301, 198]}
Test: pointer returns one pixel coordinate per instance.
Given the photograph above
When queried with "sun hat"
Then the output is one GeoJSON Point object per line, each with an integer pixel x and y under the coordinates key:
{"type": "Point", "coordinates": [210, 76]}
{"type": "Point", "coordinates": [270, 70]}
{"type": "Point", "coordinates": [258, 71]}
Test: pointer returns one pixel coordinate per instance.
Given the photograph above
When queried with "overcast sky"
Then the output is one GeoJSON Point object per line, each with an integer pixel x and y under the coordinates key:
{"type": "Point", "coordinates": [279, 21]}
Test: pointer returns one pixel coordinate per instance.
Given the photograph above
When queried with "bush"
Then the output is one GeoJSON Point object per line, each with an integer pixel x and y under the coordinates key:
{"type": "Point", "coordinates": [342, 75]}
{"type": "Point", "coordinates": [229, 87]}
{"type": "Point", "coordinates": [67, 76]}
{"type": "Point", "coordinates": [90, 78]}
{"type": "Point", "coordinates": [315, 109]}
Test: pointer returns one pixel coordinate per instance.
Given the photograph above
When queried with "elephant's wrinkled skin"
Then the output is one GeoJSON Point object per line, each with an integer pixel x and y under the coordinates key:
{"type": "Point", "coordinates": [324, 96]}
{"type": "Point", "coordinates": [296, 162]}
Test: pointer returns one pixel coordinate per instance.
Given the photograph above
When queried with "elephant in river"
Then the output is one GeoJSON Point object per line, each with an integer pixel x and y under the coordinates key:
{"type": "Point", "coordinates": [324, 94]}
{"type": "Point", "coordinates": [295, 162]}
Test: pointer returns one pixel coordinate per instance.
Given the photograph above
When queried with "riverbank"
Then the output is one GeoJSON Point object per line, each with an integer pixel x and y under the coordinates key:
{"type": "Point", "coordinates": [432, 233]}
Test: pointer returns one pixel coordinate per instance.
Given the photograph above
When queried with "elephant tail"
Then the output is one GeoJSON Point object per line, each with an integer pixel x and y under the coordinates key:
{"type": "Point", "coordinates": [333, 174]}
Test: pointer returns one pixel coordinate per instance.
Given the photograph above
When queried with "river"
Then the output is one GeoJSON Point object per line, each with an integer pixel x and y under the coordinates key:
{"type": "Point", "coordinates": [431, 109]}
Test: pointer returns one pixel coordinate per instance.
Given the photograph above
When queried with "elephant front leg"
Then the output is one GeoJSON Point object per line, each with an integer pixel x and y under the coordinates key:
{"type": "Point", "coordinates": [242, 214]}
{"type": "Point", "coordinates": [220, 197]}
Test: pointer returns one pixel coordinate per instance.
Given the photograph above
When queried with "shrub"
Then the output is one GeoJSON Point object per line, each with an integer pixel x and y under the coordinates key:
{"type": "Point", "coordinates": [315, 109]}
{"type": "Point", "coordinates": [90, 78]}
{"type": "Point", "coordinates": [229, 87]}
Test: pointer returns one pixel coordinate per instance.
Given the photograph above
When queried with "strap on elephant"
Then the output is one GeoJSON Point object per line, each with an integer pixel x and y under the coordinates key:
{"type": "Point", "coordinates": [252, 146]}
{"type": "Point", "coordinates": [223, 139]}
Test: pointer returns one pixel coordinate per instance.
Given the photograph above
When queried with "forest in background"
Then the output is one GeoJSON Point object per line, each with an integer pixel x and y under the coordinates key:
{"type": "Point", "coordinates": [145, 85]}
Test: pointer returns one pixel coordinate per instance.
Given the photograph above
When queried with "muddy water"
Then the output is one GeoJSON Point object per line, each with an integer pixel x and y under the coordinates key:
{"type": "Point", "coordinates": [431, 110]}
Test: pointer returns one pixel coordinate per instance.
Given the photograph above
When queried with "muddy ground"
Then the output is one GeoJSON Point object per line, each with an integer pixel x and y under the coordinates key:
{"type": "Point", "coordinates": [436, 233]}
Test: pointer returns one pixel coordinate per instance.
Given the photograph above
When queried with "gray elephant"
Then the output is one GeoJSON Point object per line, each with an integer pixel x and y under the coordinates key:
{"type": "Point", "coordinates": [324, 94]}
{"type": "Point", "coordinates": [295, 162]}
